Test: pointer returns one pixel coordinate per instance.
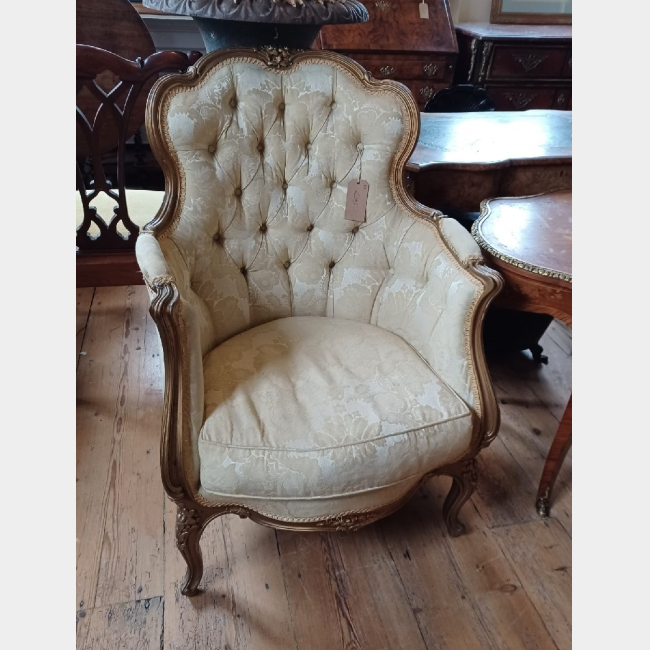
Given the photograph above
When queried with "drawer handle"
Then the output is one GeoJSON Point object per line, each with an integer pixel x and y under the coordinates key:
{"type": "Point", "coordinates": [382, 5]}
{"type": "Point", "coordinates": [430, 69]}
{"type": "Point", "coordinates": [561, 100]}
{"type": "Point", "coordinates": [387, 70]}
{"type": "Point", "coordinates": [520, 100]}
{"type": "Point", "coordinates": [426, 92]}
{"type": "Point", "coordinates": [529, 61]}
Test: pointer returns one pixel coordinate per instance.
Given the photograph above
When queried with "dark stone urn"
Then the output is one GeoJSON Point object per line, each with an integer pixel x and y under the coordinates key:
{"type": "Point", "coordinates": [255, 23]}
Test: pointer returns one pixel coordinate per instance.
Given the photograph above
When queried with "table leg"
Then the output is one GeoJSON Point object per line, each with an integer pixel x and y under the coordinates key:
{"type": "Point", "coordinates": [557, 453]}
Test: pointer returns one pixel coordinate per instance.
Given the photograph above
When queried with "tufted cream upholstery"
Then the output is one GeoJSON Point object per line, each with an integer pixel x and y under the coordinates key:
{"type": "Point", "coordinates": [257, 240]}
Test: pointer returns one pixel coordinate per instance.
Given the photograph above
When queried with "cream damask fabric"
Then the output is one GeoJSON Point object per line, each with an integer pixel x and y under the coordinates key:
{"type": "Point", "coordinates": [265, 158]}
{"type": "Point", "coordinates": [312, 407]}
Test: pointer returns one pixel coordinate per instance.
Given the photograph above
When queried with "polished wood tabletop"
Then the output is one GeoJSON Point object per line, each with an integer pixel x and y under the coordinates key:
{"type": "Point", "coordinates": [492, 139]}
{"type": "Point", "coordinates": [533, 233]}
{"type": "Point", "coordinates": [463, 158]}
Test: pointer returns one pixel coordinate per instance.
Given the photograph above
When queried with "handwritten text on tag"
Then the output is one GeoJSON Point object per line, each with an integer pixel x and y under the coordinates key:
{"type": "Point", "coordinates": [355, 205]}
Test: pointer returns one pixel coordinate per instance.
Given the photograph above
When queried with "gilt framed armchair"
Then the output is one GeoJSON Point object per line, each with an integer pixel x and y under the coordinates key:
{"type": "Point", "coordinates": [317, 369]}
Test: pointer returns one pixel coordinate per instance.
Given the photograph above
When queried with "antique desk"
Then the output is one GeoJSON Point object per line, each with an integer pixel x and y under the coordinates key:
{"type": "Point", "coordinates": [528, 240]}
{"type": "Point", "coordinates": [462, 158]}
{"type": "Point", "coordinates": [521, 66]}
{"type": "Point", "coordinates": [398, 43]}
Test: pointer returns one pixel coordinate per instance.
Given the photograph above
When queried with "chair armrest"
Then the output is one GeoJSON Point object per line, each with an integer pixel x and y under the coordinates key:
{"type": "Point", "coordinates": [435, 300]}
{"type": "Point", "coordinates": [462, 244]}
{"type": "Point", "coordinates": [187, 333]}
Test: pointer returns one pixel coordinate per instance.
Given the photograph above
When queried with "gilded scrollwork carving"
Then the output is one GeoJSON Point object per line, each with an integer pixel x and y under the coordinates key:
{"type": "Point", "coordinates": [349, 522]}
{"type": "Point", "coordinates": [187, 520]}
{"type": "Point", "coordinates": [469, 472]}
{"type": "Point", "coordinates": [278, 57]}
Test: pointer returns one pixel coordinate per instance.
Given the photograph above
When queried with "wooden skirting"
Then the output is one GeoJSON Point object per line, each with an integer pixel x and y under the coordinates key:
{"type": "Point", "coordinates": [108, 270]}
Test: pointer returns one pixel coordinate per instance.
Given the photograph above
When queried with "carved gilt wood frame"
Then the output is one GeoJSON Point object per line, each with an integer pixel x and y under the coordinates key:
{"type": "Point", "coordinates": [498, 16]}
{"type": "Point", "coordinates": [194, 511]}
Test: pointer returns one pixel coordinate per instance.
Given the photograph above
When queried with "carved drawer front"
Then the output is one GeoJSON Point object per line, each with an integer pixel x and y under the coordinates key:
{"type": "Point", "coordinates": [400, 68]}
{"type": "Point", "coordinates": [423, 90]}
{"type": "Point", "coordinates": [522, 99]}
{"type": "Point", "coordinates": [562, 99]}
{"type": "Point", "coordinates": [509, 62]}
{"type": "Point", "coordinates": [568, 64]}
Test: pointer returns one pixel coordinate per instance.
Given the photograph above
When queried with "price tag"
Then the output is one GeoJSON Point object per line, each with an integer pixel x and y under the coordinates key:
{"type": "Point", "coordinates": [424, 10]}
{"type": "Point", "coordinates": [355, 205]}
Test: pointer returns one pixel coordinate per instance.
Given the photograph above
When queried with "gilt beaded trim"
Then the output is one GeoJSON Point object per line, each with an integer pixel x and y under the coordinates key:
{"type": "Point", "coordinates": [508, 259]}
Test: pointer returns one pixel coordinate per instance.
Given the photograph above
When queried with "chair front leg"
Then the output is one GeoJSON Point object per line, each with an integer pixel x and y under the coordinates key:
{"type": "Point", "coordinates": [464, 478]}
{"type": "Point", "coordinates": [190, 523]}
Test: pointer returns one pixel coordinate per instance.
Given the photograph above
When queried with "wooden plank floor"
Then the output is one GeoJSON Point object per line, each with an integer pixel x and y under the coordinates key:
{"type": "Point", "coordinates": [402, 583]}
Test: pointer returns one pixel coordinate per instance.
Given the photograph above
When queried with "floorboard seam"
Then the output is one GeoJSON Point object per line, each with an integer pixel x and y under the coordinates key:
{"type": "Point", "coordinates": [85, 327]}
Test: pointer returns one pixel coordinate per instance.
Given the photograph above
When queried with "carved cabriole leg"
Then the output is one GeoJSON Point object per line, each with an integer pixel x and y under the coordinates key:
{"type": "Point", "coordinates": [190, 523]}
{"type": "Point", "coordinates": [462, 487]}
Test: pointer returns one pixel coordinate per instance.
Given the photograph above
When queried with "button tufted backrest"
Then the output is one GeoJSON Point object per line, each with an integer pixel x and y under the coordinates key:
{"type": "Point", "coordinates": [258, 160]}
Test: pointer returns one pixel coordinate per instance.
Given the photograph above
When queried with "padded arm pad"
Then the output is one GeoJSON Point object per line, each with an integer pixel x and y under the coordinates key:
{"type": "Point", "coordinates": [460, 241]}
{"type": "Point", "coordinates": [160, 259]}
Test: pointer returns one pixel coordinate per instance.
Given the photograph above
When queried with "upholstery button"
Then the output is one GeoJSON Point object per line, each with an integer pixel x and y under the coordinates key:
{"type": "Point", "coordinates": [238, 191]}
{"type": "Point", "coordinates": [332, 264]}
{"type": "Point", "coordinates": [217, 238]}
{"type": "Point", "coordinates": [243, 270]}
{"type": "Point", "coordinates": [333, 105]}
{"type": "Point", "coordinates": [212, 148]}
{"type": "Point", "coordinates": [359, 147]}
{"type": "Point", "coordinates": [310, 227]}
{"type": "Point", "coordinates": [285, 185]}
{"type": "Point", "coordinates": [287, 265]}
{"type": "Point", "coordinates": [233, 103]}
{"type": "Point", "coordinates": [308, 146]}
{"type": "Point", "coordinates": [281, 106]}
{"type": "Point", "coordinates": [260, 147]}
{"type": "Point", "coordinates": [355, 230]}
{"type": "Point", "coordinates": [391, 271]}
{"type": "Point", "coordinates": [263, 228]}
{"type": "Point", "coordinates": [333, 184]}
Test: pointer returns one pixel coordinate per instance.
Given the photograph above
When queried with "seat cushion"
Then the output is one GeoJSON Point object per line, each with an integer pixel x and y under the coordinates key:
{"type": "Point", "coordinates": [308, 408]}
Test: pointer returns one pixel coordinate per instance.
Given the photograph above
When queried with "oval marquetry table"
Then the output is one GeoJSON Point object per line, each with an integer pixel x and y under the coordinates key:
{"type": "Point", "coordinates": [528, 240]}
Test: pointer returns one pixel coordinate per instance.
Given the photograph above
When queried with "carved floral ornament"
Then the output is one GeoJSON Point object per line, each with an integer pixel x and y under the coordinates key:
{"type": "Point", "coordinates": [300, 3]}
{"type": "Point", "coordinates": [529, 61]}
{"type": "Point", "coordinates": [278, 57]}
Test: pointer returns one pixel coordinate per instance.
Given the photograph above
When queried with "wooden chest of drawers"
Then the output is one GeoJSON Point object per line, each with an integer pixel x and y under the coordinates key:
{"type": "Point", "coordinates": [521, 66]}
{"type": "Point", "coordinates": [397, 43]}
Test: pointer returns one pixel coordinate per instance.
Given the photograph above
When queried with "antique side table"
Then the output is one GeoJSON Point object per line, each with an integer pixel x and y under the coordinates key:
{"type": "Point", "coordinates": [528, 240]}
{"type": "Point", "coordinates": [462, 158]}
